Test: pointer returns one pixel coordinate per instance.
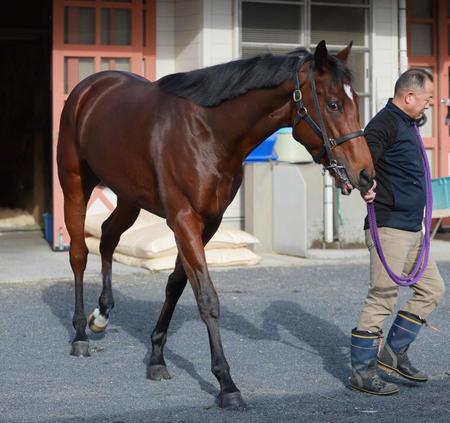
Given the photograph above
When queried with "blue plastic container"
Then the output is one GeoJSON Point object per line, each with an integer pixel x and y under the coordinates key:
{"type": "Point", "coordinates": [264, 151]}
{"type": "Point", "coordinates": [441, 193]}
{"type": "Point", "coordinates": [285, 131]}
{"type": "Point", "coordinates": [48, 227]}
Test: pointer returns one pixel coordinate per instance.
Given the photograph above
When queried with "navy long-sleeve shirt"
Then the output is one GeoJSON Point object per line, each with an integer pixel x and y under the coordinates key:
{"type": "Point", "coordinates": [396, 153]}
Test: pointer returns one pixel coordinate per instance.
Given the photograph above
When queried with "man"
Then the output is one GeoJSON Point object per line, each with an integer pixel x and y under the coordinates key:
{"type": "Point", "coordinates": [399, 204]}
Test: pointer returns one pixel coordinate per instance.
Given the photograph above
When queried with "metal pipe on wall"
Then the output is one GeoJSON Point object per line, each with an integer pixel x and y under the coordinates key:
{"type": "Point", "coordinates": [328, 235]}
{"type": "Point", "coordinates": [402, 45]}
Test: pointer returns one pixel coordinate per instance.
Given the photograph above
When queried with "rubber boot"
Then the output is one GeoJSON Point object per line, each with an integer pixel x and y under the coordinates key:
{"type": "Point", "coordinates": [364, 377]}
{"type": "Point", "coordinates": [394, 355]}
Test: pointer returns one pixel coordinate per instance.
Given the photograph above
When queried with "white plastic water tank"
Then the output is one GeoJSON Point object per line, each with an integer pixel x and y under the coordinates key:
{"type": "Point", "coordinates": [290, 150]}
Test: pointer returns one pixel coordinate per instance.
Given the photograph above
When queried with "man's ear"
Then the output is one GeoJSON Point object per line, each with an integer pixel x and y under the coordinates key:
{"type": "Point", "coordinates": [408, 97]}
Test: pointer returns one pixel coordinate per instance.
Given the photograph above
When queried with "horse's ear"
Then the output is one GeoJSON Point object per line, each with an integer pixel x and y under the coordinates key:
{"type": "Point", "coordinates": [320, 55]}
{"type": "Point", "coordinates": [343, 54]}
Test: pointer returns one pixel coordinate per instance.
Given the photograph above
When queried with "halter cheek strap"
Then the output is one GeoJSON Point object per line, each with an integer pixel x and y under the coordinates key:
{"type": "Point", "coordinates": [302, 114]}
{"type": "Point", "coordinates": [335, 142]}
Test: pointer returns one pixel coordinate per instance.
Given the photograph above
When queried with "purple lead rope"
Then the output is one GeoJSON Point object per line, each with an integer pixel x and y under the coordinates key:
{"type": "Point", "coordinates": [422, 261]}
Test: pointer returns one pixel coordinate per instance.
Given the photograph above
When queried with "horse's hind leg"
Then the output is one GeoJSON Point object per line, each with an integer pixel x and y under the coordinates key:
{"type": "Point", "coordinates": [77, 184]}
{"type": "Point", "coordinates": [157, 369]}
{"type": "Point", "coordinates": [123, 216]}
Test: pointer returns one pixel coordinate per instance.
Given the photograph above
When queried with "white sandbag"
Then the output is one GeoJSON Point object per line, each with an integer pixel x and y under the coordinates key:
{"type": "Point", "coordinates": [93, 222]}
{"type": "Point", "coordinates": [221, 257]}
{"type": "Point", "coordinates": [215, 257]}
{"type": "Point", "coordinates": [150, 237]}
{"type": "Point", "coordinates": [93, 245]}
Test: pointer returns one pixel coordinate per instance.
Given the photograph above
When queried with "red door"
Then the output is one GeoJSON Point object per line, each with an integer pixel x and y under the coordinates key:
{"type": "Point", "coordinates": [90, 36]}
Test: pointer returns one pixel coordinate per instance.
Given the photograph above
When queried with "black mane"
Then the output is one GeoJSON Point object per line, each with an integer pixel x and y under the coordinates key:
{"type": "Point", "coordinates": [211, 86]}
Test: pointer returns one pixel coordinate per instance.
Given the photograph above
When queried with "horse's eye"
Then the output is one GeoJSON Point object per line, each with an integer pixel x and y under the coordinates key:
{"type": "Point", "coordinates": [333, 106]}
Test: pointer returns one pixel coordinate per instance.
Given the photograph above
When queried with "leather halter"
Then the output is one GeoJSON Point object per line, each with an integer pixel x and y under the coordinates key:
{"type": "Point", "coordinates": [328, 143]}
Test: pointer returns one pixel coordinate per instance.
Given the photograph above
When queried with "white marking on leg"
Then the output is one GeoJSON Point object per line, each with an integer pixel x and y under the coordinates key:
{"type": "Point", "coordinates": [348, 91]}
{"type": "Point", "coordinates": [99, 319]}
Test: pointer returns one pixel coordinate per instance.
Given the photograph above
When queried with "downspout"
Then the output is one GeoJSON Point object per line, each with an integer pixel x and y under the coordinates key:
{"type": "Point", "coordinates": [328, 235]}
{"type": "Point", "coordinates": [402, 44]}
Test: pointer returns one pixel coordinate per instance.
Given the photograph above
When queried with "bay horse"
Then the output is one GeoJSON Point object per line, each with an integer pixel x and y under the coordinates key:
{"type": "Point", "coordinates": [175, 148]}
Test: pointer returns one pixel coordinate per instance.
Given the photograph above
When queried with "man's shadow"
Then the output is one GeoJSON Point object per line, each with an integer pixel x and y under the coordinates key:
{"type": "Point", "coordinates": [323, 337]}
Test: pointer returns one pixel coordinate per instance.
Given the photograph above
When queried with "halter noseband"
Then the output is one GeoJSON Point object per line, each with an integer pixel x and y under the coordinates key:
{"type": "Point", "coordinates": [328, 143]}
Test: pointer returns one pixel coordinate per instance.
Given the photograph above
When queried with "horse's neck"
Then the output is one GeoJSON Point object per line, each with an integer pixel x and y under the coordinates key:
{"type": "Point", "coordinates": [255, 115]}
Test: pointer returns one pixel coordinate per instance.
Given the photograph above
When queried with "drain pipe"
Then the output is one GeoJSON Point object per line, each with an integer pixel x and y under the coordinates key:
{"type": "Point", "coordinates": [402, 45]}
{"type": "Point", "coordinates": [328, 235]}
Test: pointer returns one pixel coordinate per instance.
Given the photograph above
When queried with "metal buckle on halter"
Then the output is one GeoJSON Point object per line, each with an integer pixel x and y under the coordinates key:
{"type": "Point", "coordinates": [339, 170]}
{"type": "Point", "coordinates": [302, 111]}
{"type": "Point", "coordinates": [297, 95]}
{"type": "Point", "coordinates": [332, 142]}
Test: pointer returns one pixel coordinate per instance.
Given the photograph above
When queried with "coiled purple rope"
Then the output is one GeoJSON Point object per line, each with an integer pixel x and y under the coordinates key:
{"type": "Point", "coordinates": [422, 261]}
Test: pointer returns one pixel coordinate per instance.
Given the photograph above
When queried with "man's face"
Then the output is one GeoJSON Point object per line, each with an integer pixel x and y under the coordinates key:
{"type": "Point", "coordinates": [420, 100]}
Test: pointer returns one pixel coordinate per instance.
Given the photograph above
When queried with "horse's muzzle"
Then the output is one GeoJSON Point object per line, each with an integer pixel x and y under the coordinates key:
{"type": "Point", "coordinates": [365, 181]}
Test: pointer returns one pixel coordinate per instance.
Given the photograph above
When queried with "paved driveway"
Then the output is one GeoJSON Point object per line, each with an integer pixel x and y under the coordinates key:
{"type": "Point", "coordinates": [285, 332]}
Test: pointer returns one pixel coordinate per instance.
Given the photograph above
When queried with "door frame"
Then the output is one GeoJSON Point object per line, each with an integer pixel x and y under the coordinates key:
{"type": "Point", "coordinates": [142, 61]}
{"type": "Point", "coordinates": [444, 93]}
{"type": "Point", "coordinates": [431, 143]}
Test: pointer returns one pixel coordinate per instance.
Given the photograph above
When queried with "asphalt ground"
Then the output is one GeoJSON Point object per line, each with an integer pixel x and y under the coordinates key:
{"type": "Point", "coordinates": [285, 330]}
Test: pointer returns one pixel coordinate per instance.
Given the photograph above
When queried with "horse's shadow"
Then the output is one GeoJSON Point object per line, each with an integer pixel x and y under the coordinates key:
{"type": "Point", "coordinates": [137, 317]}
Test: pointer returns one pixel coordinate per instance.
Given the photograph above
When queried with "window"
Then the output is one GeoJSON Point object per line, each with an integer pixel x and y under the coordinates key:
{"type": "Point", "coordinates": [280, 26]}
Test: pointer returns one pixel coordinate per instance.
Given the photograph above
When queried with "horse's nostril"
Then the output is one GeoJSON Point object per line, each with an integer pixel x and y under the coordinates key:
{"type": "Point", "coordinates": [364, 178]}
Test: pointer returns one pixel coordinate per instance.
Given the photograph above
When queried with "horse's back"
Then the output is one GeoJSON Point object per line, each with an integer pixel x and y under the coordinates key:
{"type": "Point", "coordinates": [86, 94]}
{"type": "Point", "coordinates": [99, 85]}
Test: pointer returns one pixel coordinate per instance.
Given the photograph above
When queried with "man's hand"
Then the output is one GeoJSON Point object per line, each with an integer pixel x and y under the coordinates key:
{"type": "Point", "coordinates": [370, 195]}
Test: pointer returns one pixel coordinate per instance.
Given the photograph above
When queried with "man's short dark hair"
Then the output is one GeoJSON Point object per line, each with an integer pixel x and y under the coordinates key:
{"type": "Point", "coordinates": [413, 78]}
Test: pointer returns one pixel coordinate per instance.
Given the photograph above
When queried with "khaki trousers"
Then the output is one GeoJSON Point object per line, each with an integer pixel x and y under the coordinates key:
{"type": "Point", "coordinates": [401, 249]}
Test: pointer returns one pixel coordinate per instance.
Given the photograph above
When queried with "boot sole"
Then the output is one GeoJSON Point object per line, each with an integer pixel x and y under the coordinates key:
{"type": "Point", "coordinates": [357, 388]}
{"type": "Point", "coordinates": [389, 369]}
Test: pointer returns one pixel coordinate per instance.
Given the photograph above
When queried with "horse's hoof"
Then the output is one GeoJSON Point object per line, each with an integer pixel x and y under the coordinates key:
{"type": "Point", "coordinates": [80, 349]}
{"type": "Point", "coordinates": [232, 401]}
{"type": "Point", "coordinates": [158, 372]}
{"type": "Point", "coordinates": [97, 322]}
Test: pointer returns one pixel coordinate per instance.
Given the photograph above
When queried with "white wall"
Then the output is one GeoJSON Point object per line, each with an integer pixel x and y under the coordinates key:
{"type": "Point", "coordinates": [191, 34]}
{"type": "Point", "coordinates": [165, 37]}
{"type": "Point", "coordinates": [179, 26]}
{"type": "Point", "coordinates": [385, 59]}
{"type": "Point", "coordinates": [217, 34]}
{"type": "Point", "coordinates": [188, 31]}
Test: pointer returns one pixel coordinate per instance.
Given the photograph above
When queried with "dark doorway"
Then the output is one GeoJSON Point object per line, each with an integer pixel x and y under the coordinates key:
{"type": "Point", "coordinates": [25, 118]}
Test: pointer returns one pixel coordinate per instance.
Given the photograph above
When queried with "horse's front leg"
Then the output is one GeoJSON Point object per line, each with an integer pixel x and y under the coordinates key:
{"type": "Point", "coordinates": [188, 227]}
{"type": "Point", "coordinates": [157, 369]}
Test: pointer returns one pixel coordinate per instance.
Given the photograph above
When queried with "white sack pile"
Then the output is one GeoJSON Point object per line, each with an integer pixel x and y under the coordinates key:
{"type": "Point", "coordinates": [150, 243]}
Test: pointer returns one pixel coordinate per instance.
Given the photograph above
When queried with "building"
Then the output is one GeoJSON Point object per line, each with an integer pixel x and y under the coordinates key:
{"type": "Point", "coordinates": [48, 46]}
